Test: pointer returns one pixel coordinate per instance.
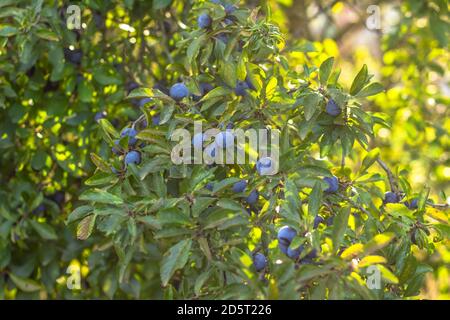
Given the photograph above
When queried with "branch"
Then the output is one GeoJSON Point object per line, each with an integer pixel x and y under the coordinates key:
{"type": "Point", "coordinates": [391, 177]}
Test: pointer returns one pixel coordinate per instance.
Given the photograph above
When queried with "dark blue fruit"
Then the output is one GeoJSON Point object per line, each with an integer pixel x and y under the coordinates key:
{"type": "Point", "coordinates": [40, 208]}
{"type": "Point", "coordinates": [253, 197]}
{"type": "Point", "coordinates": [241, 88]}
{"type": "Point", "coordinates": [205, 87]}
{"type": "Point", "coordinates": [116, 150]}
{"type": "Point", "coordinates": [414, 204]}
{"type": "Point", "coordinates": [230, 8]}
{"type": "Point", "coordinates": [330, 221]}
{"type": "Point", "coordinates": [204, 21]}
{"type": "Point", "coordinates": [223, 37]}
{"type": "Point", "coordinates": [264, 166]}
{"type": "Point", "coordinates": [179, 91]}
{"type": "Point", "coordinates": [259, 261]}
{"type": "Point", "coordinates": [333, 184]}
{"type": "Point", "coordinates": [130, 86]}
{"type": "Point", "coordinates": [249, 83]}
{"type": "Point", "coordinates": [294, 253]}
{"type": "Point", "coordinates": [144, 101]}
{"type": "Point", "coordinates": [209, 186]}
{"type": "Point", "coordinates": [239, 186]}
{"type": "Point", "coordinates": [73, 56]}
{"type": "Point", "coordinates": [312, 254]}
{"type": "Point", "coordinates": [332, 108]}
{"type": "Point", "coordinates": [100, 115]}
{"type": "Point", "coordinates": [283, 247]}
{"type": "Point", "coordinates": [156, 119]}
{"type": "Point", "coordinates": [317, 220]}
{"type": "Point", "coordinates": [133, 157]}
{"type": "Point", "coordinates": [131, 133]}
{"type": "Point", "coordinates": [224, 139]}
{"type": "Point", "coordinates": [391, 197]}
{"type": "Point", "coordinates": [286, 234]}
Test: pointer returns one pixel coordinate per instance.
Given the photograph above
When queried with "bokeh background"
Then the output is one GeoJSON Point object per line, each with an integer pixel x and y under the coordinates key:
{"type": "Point", "coordinates": [55, 83]}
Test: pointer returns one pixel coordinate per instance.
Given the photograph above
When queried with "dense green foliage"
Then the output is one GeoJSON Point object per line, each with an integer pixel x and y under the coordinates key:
{"type": "Point", "coordinates": [154, 229]}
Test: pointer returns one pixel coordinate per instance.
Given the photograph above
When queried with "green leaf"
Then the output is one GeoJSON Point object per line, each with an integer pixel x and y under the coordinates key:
{"type": "Point", "coordinates": [371, 90]}
{"type": "Point", "coordinates": [310, 102]}
{"type": "Point", "coordinates": [47, 35]}
{"type": "Point", "coordinates": [39, 159]}
{"type": "Point", "coordinates": [200, 281]}
{"type": "Point", "coordinates": [108, 128]}
{"type": "Point", "coordinates": [369, 159]}
{"type": "Point", "coordinates": [44, 230]}
{"type": "Point", "coordinates": [101, 178]}
{"type": "Point", "coordinates": [175, 258]}
{"type": "Point", "coordinates": [24, 284]}
{"type": "Point", "coordinates": [200, 204]}
{"type": "Point", "coordinates": [140, 93]}
{"type": "Point", "coordinates": [340, 226]}
{"type": "Point", "coordinates": [359, 81]}
{"type": "Point", "coordinates": [215, 93]}
{"type": "Point", "coordinates": [325, 70]}
{"type": "Point", "coordinates": [378, 242]}
{"type": "Point", "coordinates": [387, 274]}
{"type": "Point", "coordinates": [370, 260]}
{"type": "Point", "coordinates": [166, 113]}
{"type": "Point", "coordinates": [8, 31]}
{"type": "Point", "coordinates": [100, 163]}
{"type": "Point", "coordinates": [161, 4]}
{"type": "Point", "coordinates": [290, 208]}
{"type": "Point", "coordinates": [100, 196]}
{"type": "Point", "coordinates": [229, 73]}
{"type": "Point", "coordinates": [194, 48]}
{"type": "Point", "coordinates": [353, 251]}
{"type": "Point", "coordinates": [79, 213]}
{"type": "Point", "coordinates": [230, 205]}
{"type": "Point", "coordinates": [439, 28]}
{"type": "Point", "coordinates": [85, 227]}
{"type": "Point", "coordinates": [315, 200]}
{"type": "Point", "coordinates": [151, 221]}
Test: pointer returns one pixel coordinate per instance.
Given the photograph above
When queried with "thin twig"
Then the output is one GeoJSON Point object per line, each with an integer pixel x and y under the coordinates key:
{"type": "Point", "coordinates": [391, 177]}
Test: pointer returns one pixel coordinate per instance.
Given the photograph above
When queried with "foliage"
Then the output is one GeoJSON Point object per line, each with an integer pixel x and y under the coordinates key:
{"type": "Point", "coordinates": [155, 230]}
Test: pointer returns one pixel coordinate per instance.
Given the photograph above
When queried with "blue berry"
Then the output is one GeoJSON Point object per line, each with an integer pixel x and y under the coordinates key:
{"type": "Point", "coordinates": [332, 108]}
{"type": "Point", "coordinates": [224, 139]}
{"type": "Point", "coordinates": [179, 91]}
{"type": "Point", "coordinates": [317, 220]}
{"type": "Point", "coordinates": [209, 186]}
{"type": "Point", "coordinates": [144, 101]}
{"type": "Point", "coordinates": [156, 119]}
{"type": "Point", "coordinates": [391, 197]}
{"type": "Point", "coordinates": [294, 253]}
{"type": "Point", "coordinates": [241, 88]}
{"type": "Point", "coordinates": [253, 197]}
{"type": "Point", "coordinates": [133, 157]}
{"type": "Point", "coordinates": [100, 115]}
{"type": "Point", "coordinates": [116, 149]}
{"type": "Point", "coordinates": [333, 184]}
{"type": "Point", "coordinates": [131, 133]}
{"type": "Point", "coordinates": [249, 83]}
{"type": "Point", "coordinates": [414, 204]}
{"type": "Point", "coordinates": [204, 21]}
{"type": "Point", "coordinates": [259, 261]}
{"type": "Point", "coordinates": [239, 186]}
{"type": "Point", "coordinates": [223, 37]}
{"type": "Point", "coordinates": [286, 234]}
{"type": "Point", "coordinates": [264, 166]}
{"type": "Point", "coordinates": [283, 246]}
{"type": "Point", "coordinates": [230, 8]}
{"type": "Point", "coordinates": [197, 141]}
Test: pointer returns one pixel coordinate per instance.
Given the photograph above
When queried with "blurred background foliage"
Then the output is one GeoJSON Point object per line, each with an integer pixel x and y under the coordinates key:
{"type": "Point", "coordinates": [55, 83]}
